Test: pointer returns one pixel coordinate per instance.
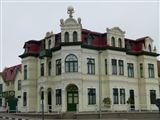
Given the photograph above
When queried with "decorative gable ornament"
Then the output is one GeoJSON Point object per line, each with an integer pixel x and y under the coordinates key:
{"type": "Point", "coordinates": [115, 30]}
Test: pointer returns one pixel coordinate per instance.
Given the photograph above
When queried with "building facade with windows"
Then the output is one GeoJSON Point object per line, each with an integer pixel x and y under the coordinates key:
{"type": "Point", "coordinates": [10, 88]}
{"type": "Point", "coordinates": [76, 69]}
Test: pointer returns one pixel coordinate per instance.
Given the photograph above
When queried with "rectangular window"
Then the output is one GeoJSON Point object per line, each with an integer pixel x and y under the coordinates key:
{"type": "Point", "coordinates": [58, 96]}
{"type": "Point", "coordinates": [121, 67]}
{"type": "Point", "coordinates": [115, 96]}
{"type": "Point", "coordinates": [141, 70]}
{"type": "Point", "coordinates": [114, 67]}
{"type": "Point", "coordinates": [130, 70]}
{"type": "Point", "coordinates": [58, 67]}
{"type": "Point", "coordinates": [91, 65]}
{"type": "Point", "coordinates": [106, 70]}
{"type": "Point", "coordinates": [24, 98]}
{"type": "Point", "coordinates": [49, 68]}
{"type": "Point", "coordinates": [122, 96]}
{"type": "Point", "coordinates": [25, 72]}
{"type": "Point", "coordinates": [19, 84]}
{"type": "Point", "coordinates": [42, 69]}
{"type": "Point", "coordinates": [151, 70]}
{"type": "Point", "coordinates": [152, 96]}
{"type": "Point", "coordinates": [91, 96]}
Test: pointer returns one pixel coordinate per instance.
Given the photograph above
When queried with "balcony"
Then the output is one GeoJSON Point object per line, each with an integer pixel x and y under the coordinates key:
{"type": "Point", "coordinates": [45, 53]}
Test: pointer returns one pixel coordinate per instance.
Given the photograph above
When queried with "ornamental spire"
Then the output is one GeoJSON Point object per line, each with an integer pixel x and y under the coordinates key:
{"type": "Point", "coordinates": [70, 11]}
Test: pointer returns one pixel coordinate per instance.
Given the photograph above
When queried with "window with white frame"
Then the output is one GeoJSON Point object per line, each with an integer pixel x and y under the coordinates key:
{"type": "Point", "coordinates": [115, 96]}
{"type": "Point", "coordinates": [58, 66]}
{"type": "Point", "coordinates": [152, 96]}
{"type": "Point", "coordinates": [114, 67]}
{"type": "Point", "coordinates": [91, 65]}
{"type": "Point", "coordinates": [130, 69]}
{"type": "Point", "coordinates": [91, 96]}
{"type": "Point", "coordinates": [122, 96]}
{"type": "Point", "coordinates": [58, 96]}
{"type": "Point", "coordinates": [151, 70]}
{"type": "Point", "coordinates": [121, 67]}
{"type": "Point", "coordinates": [71, 63]}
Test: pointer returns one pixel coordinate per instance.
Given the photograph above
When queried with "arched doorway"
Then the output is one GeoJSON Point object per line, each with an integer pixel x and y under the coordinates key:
{"type": "Point", "coordinates": [72, 97]}
{"type": "Point", "coordinates": [49, 100]}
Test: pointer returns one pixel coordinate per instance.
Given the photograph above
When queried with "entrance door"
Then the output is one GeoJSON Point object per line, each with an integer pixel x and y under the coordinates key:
{"type": "Point", "coordinates": [72, 98]}
{"type": "Point", "coordinates": [132, 99]}
{"type": "Point", "coordinates": [49, 101]}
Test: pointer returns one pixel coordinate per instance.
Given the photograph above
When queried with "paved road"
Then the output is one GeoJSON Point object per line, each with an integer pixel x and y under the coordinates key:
{"type": "Point", "coordinates": [7, 116]}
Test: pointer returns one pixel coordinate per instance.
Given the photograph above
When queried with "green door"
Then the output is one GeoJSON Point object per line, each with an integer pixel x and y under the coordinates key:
{"type": "Point", "coordinates": [12, 103]}
{"type": "Point", "coordinates": [72, 98]}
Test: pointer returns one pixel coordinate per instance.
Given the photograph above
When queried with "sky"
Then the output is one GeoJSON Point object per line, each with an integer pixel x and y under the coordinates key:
{"type": "Point", "coordinates": [23, 21]}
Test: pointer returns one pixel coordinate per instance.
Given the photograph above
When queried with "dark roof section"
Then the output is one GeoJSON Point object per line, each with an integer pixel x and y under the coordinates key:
{"type": "Point", "coordinates": [10, 73]}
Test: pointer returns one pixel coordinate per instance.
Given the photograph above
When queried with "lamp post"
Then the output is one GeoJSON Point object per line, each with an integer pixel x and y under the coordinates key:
{"type": "Point", "coordinates": [42, 98]}
{"type": "Point", "coordinates": [100, 83]}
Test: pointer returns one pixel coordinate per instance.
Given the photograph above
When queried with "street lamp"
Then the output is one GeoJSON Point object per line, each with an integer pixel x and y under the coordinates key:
{"type": "Point", "coordinates": [100, 83]}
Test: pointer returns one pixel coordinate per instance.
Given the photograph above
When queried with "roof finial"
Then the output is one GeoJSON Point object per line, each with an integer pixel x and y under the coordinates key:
{"type": "Point", "coordinates": [70, 11]}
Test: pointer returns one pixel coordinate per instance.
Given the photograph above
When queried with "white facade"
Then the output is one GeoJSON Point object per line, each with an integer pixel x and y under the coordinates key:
{"type": "Point", "coordinates": [80, 79]}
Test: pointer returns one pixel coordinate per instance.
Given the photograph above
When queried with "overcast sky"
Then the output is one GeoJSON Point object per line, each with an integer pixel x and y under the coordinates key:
{"type": "Point", "coordinates": [26, 21]}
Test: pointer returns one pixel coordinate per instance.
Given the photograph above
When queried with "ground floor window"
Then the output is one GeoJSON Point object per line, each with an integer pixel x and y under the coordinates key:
{"type": "Point", "coordinates": [91, 96]}
{"type": "Point", "coordinates": [122, 96]}
{"type": "Point", "coordinates": [152, 96]}
{"type": "Point", "coordinates": [115, 96]}
{"type": "Point", "coordinates": [58, 96]}
{"type": "Point", "coordinates": [24, 98]}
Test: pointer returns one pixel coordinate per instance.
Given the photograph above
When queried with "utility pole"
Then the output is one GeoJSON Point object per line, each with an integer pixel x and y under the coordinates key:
{"type": "Point", "coordinates": [100, 83]}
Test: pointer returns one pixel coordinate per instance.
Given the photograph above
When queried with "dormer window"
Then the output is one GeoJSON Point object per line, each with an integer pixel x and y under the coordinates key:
{"type": "Point", "coordinates": [113, 42]}
{"type": "Point", "coordinates": [75, 39]}
{"type": "Point", "coordinates": [120, 43]}
{"type": "Point", "coordinates": [149, 48]}
{"type": "Point", "coordinates": [66, 37]}
{"type": "Point", "coordinates": [49, 44]}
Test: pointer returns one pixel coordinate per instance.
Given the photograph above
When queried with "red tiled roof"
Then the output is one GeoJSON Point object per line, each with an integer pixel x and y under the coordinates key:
{"type": "Point", "coordinates": [9, 74]}
{"type": "Point", "coordinates": [158, 64]}
{"type": "Point", "coordinates": [135, 45]}
{"type": "Point", "coordinates": [98, 39]}
{"type": "Point", "coordinates": [32, 46]}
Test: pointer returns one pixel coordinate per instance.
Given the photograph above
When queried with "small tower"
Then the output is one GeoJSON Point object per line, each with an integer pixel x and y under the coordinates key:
{"type": "Point", "coordinates": [70, 28]}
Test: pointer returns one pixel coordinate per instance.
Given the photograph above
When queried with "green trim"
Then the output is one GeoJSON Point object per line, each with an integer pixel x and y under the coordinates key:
{"type": "Point", "coordinates": [45, 53]}
{"type": "Point", "coordinates": [28, 54]}
{"type": "Point", "coordinates": [143, 53]}
{"type": "Point", "coordinates": [70, 43]}
{"type": "Point", "coordinates": [55, 49]}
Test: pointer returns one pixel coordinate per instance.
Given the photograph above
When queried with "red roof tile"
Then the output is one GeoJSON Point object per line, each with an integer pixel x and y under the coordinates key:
{"type": "Point", "coordinates": [98, 39]}
{"type": "Point", "coordinates": [9, 74]}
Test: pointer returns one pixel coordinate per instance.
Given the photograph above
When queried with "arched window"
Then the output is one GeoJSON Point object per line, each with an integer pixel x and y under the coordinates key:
{"type": "Point", "coordinates": [149, 48]}
{"type": "Point", "coordinates": [113, 42]}
{"type": "Point", "coordinates": [49, 44]}
{"type": "Point", "coordinates": [71, 63]}
{"type": "Point", "coordinates": [66, 37]}
{"type": "Point", "coordinates": [120, 43]}
{"type": "Point", "coordinates": [75, 37]}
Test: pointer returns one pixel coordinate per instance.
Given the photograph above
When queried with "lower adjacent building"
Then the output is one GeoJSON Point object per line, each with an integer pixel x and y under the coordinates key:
{"type": "Point", "coordinates": [79, 70]}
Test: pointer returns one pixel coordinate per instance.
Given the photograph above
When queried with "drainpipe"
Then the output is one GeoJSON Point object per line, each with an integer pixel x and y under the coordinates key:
{"type": "Point", "coordinates": [100, 83]}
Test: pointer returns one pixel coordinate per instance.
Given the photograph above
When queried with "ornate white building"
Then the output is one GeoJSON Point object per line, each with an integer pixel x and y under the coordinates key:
{"type": "Point", "coordinates": [74, 70]}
